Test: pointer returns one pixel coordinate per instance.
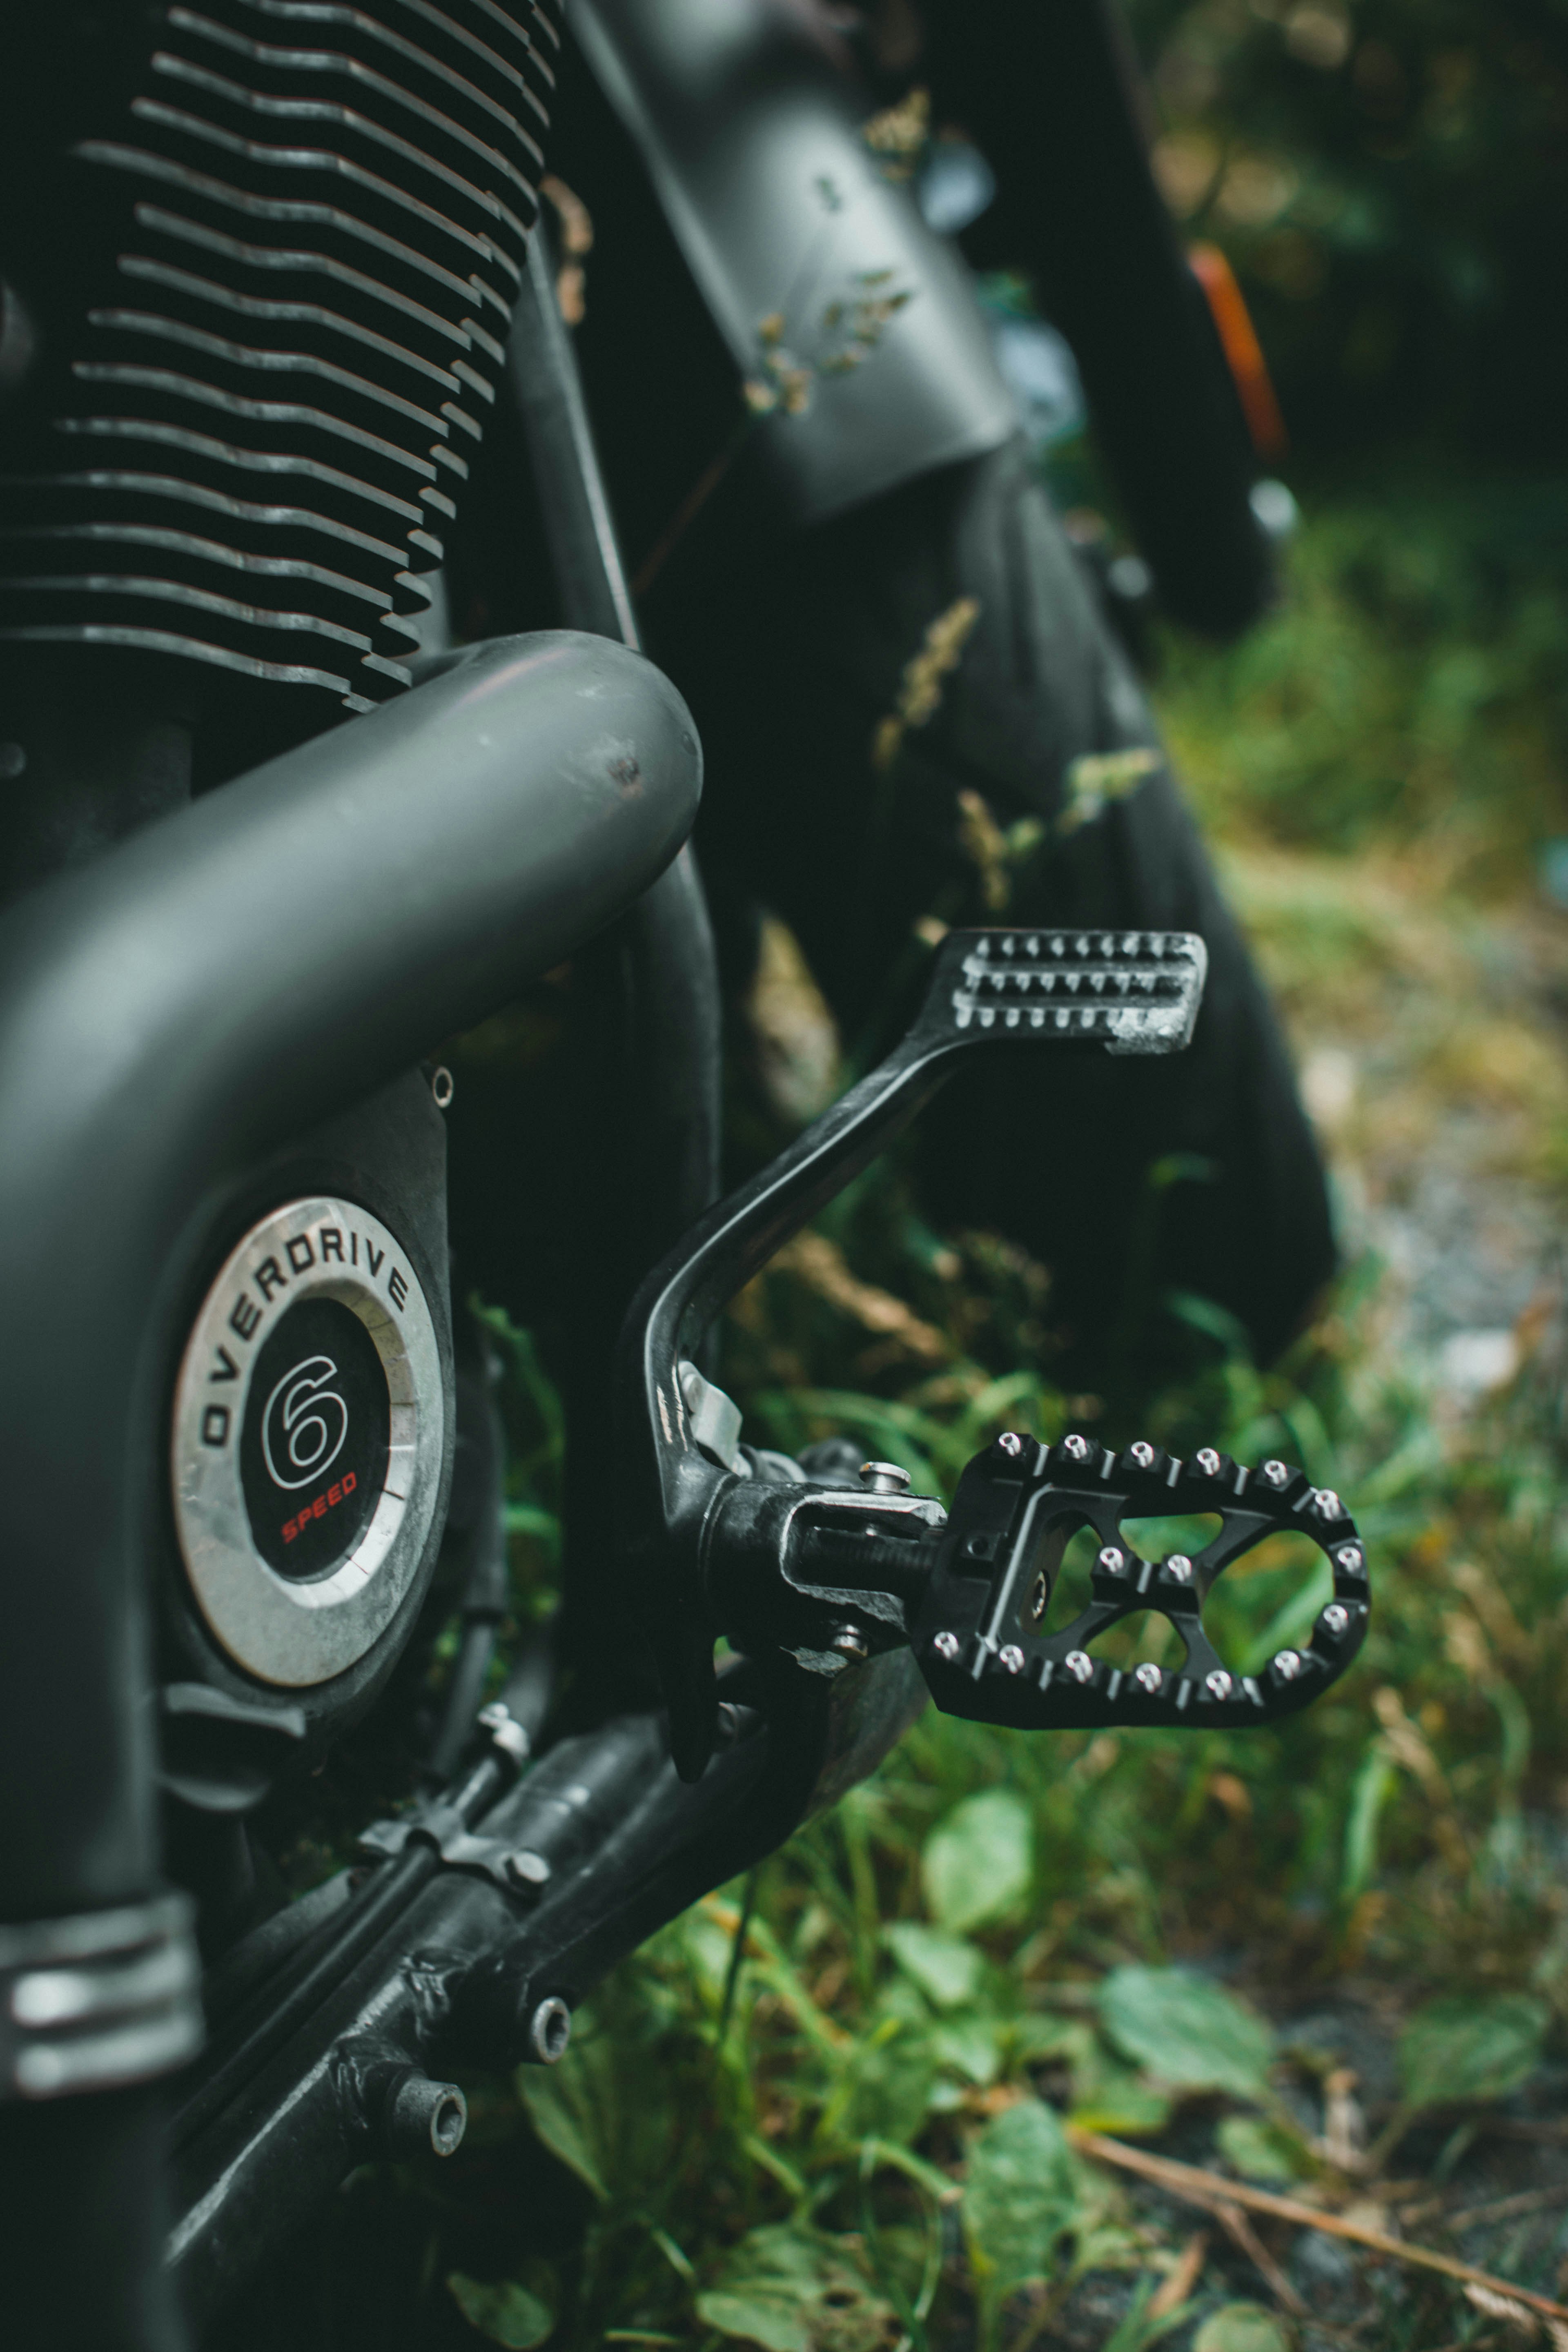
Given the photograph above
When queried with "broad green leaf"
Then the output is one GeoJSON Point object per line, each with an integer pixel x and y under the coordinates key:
{"type": "Point", "coordinates": [506, 2313]}
{"type": "Point", "coordinates": [1262, 2151]}
{"type": "Point", "coordinates": [1186, 2031]}
{"type": "Point", "coordinates": [1470, 2047]}
{"type": "Point", "coordinates": [979, 1860]}
{"type": "Point", "coordinates": [1109, 2097]}
{"type": "Point", "coordinates": [791, 2290]}
{"type": "Point", "coordinates": [946, 1968]}
{"type": "Point", "coordinates": [1241, 2328]}
{"type": "Point", "coordinates": [1020, 2197]}
{"type": "Point", "coordinates": [968, 2046]}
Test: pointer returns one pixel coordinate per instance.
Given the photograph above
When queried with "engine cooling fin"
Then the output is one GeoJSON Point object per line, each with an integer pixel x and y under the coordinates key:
{"type": "Point", "coordinates": [297, 233]}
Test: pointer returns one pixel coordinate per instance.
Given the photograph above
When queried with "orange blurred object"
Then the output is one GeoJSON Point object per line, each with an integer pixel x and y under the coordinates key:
{"type": "Point", "coordinates": [1244, 353]}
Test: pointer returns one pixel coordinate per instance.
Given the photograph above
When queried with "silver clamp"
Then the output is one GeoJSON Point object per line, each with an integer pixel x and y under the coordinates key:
{"type": "Point", "coordinates": [98, 1999]}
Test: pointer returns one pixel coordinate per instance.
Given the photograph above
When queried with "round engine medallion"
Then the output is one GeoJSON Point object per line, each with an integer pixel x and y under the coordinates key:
{"type": "Point", "coordinates": [307, 1441]}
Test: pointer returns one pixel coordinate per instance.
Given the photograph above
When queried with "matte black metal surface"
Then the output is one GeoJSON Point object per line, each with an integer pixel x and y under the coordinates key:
{"type": "Point", "coordinates": [749, 121]}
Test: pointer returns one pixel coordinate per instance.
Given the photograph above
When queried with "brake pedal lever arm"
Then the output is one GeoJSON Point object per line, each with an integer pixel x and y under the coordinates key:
{"type": "Point", "coordinates": [1121, 993]}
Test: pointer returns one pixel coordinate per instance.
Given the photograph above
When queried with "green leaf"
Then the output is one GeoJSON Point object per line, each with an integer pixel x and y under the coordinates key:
{"type": "Point", "coordinates": [564, 2120]}
{"type": "Point", "coordinates": [791, 2290]}
{"type": "Point", "coordinates": [1186, 2031]}
{"type": "Point", "coordinates": [1020, 2197]}
{"type": "Point", "coordinates": [506, 2313]}
{"type": "Point", "coordinates": [978, 1862]}
{"type": "Point", "coordinates": [1470, 2047]}
{"type": "Point", "coordinates": [1241, 2328]}
{"type": "Point", "coordinates": [1110, 2098]}
{"type": "Point", "coordinates": [1262, 2151]}
{"type": "Point", "coordinates": [946, 1968]}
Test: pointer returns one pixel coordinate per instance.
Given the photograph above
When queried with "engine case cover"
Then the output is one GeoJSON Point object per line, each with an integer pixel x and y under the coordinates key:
{"type": "Point", "coordinates": [308, 1441]}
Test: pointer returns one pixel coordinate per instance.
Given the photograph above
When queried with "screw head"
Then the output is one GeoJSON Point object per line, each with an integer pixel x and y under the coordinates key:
{"type": "Point", "coordinates": [1079, 1666]}
{"type": "Point", "coordinates": [1206, 1460]}
{"type": "Point", "coordinates": [1010, 1444]}
{"type": "Point", "coordinates": [850, 1643]}
{"type": "Point", "coordinates": [1113, 1561]}
{"type": "Point", "coordinates": [550, 2031]}
{"type": "Point", "coordinates": [1148, 1676]}
{"type": "Point", "coordinates": [1076, 1448]}
{"type": "Point", "coordinates": [525, 1868]}
{"type": "Point", "coordinates": [1142, 1453]}
{"type": "Point", "coordinates": [1352, 1560]}
{"type": "Point", "coordinates": [1179, 1567]}
{"type": "Point", "coordinates": [885, 1477]}
{"type": "Point", "coordinates": [1336, 1617]}
{"type": "Point", "coordinates": [1327, 1504]}
{"type": "Point", "coordinates": [1011, 1658]}
{"type": "Point", "coordinates": [1218, 1684]}
{"type": "Point", "coordinates": [1277, 1474]}
{"type": "Point", "coordinates": [1287, 1664]}
{"type": "Point", "coordinates": [946, 1647]}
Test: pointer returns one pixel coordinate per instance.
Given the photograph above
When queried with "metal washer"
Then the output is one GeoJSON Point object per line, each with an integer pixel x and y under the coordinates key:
{"type": "Point", "coordinates": [288, 1632]}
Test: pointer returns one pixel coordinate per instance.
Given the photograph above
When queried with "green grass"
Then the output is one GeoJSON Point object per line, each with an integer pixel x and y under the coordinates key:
{"type": "Point", "coordinates": [824, 2111]}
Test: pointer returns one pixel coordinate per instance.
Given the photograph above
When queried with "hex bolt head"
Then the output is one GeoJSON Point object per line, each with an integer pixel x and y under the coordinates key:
{"type": "Point", "coordinates": [1010, 1444]}
{"type": "Point", "coordinates": [426, 2117]}
{"type": "Point", "coordinates": [1287, 1664]}
{"type": "Point", "coordinates": [1218, 1684]}
{"type": "Point", "coordinates": [550, 2031]}
{"type": "Point", "coordinates": [1275, 1473]}
{"type": "Point", "coordinates": [1206, 1460]}
{"type": "Point", "coordinates": [850, 1643]}
{"type": "Point", "coordinates": [1080, 1665]}
{"type": "Point", "coordinates": [1142, 1453]}
{"type": "Point", "coordinates": [1113, 1561]}
{"type": "Point", "coordinates": [1011, 1659]}
{"type": "Point", "coordinates": [946, 1647]}
{"type": "Point", "coordinates": [885, 1477]}
{"type": "Point", "coordinates": [1076, 1448]}
{"type": "Point", "coordinates": [1148, 1676]}
{"type": "Point", "coordinates": [1327, 1504]}
{"type": "Point", "coordinates": [1179, 1567]}
{"type": "Point", "coordinates": [1336, 1618]}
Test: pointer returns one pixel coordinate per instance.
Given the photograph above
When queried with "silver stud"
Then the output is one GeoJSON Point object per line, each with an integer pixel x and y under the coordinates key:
{"type": "Point", "coordinates": [1218, 1683]}
{"type": "Point", "coordinates": [1148, 1676]}
{"type": "Point", "coordinates": [1076, 1448]}
{"type": "Point", "coordinates": [1287, 1664]}
{"type": "Point", "coordinates": [1079, 1666]}
{"type": "Point", "coordinates": [1350, 1557]}
{"type": "Point", "coordinates": [1179, 1567]}
{"type": "Point", "coordinates": [1207, 1461]}
{"type": "Point", "coordinates": [850, 1643]}
{"type": "Point", "coordinates": [946, 1647]}
{"type": "Point", "coordinates": [1142, 1453]}
{"type": "Point", "coordinates": [1327, 1504]}
{"type": "Point", "coordinates": [1336, 1617]}
{"type": "Point", "coordinates": [1010, 1442]}
{"type": "Point", "coordinates": [526, 1868]}
{"type": "Point", "coordinates": [1277, 1474]}
{"type": "Point", "coordinates": [1011, 1658]}
{"type": "Point", "coordinates": [885, 1477]}
{"type": "Point", "coordinates": [1113, 1561]}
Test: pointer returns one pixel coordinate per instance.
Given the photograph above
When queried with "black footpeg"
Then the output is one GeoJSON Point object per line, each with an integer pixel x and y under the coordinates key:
{"type": "Point", "coordinates": [979, 1632]}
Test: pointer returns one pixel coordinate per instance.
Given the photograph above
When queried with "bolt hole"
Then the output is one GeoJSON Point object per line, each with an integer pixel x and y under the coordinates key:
{"type": "Point", "coordinates": [442, 1087]}
{"type": "Point", "coordinates": [449, 2122]}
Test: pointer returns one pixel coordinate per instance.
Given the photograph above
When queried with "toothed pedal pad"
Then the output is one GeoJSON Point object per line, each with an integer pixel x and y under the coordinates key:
{"type": "Point", "coordinates": [1124, 991]}
{"type": "Point", "coordinates": [983, 1638]}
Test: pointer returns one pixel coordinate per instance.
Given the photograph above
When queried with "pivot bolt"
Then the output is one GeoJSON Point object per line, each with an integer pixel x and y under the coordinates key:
{"type": "Point", "coordinates": [1011, 1658]}
{"type": "Point", "coordinates": [1336, 1617]}
{"type": "Point", "coordinates": [1277, 1474]}
{"type": "Point", "coordinates": [1079, 1666]}
{"type": "Point", "coordinates": [526, 1868]}
{"type": "Point", "coordinates": [1113, 1561]}
{"type": "Point", "coordinates": [1076, 1448]}
{"type": "Point", "coordinates": [1206, 1460]}
{"type": "Point", "coordinates": [1142, 1453]}
{"type": "Point", "coordinates": [550, 2031]}
{"type": "Point", "coordinates": [1148, 1676]}
{"type": "Point", "coordinates": [885, 1477]}
{"type": "Point", "coordinates": [1010, 1444]}
{"type": "Point", "coordinates": [1179, 1567]}
{"type": "Point", "coordinates": [850, 1643]}
{"type": "Point", "coordinates": [1287, 1664]}
{"type": "Point", "coordinates": [1327, 1504]}
{"type": "Point", "coordinates": [1218, 1683]}
{"type": "Point", "coordinates": [946, 1645]}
